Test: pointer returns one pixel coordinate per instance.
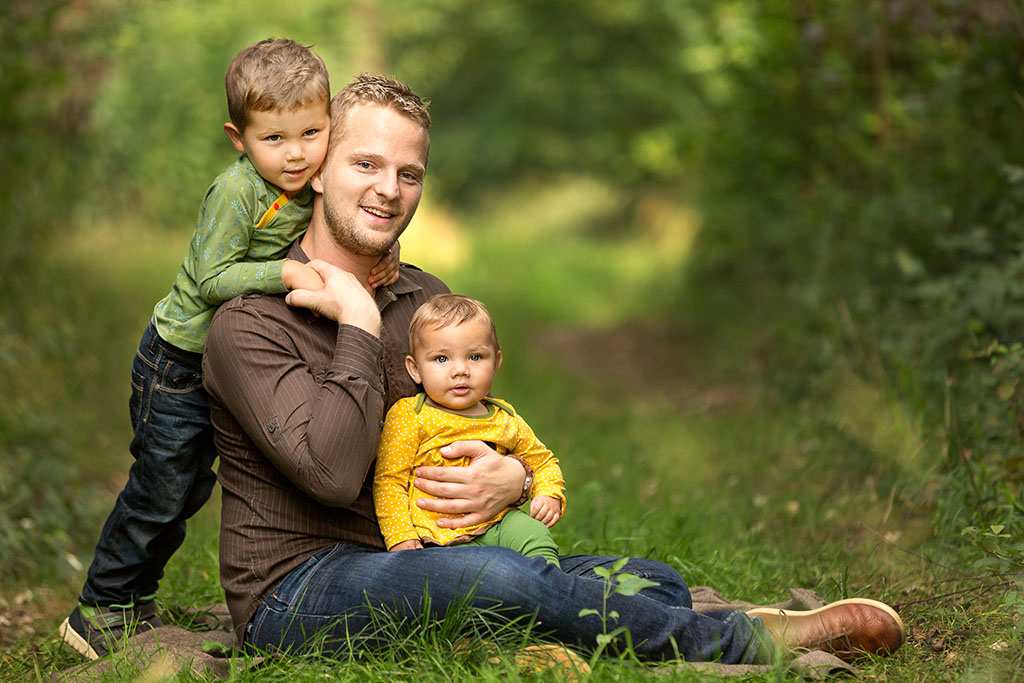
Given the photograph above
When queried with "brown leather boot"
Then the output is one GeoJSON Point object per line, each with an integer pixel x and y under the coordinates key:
{"type": "Point", "coordinates": [846, 628]}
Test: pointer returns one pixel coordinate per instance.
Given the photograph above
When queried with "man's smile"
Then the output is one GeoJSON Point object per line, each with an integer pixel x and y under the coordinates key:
{"type": "Point", "coordinates": [377, 211]}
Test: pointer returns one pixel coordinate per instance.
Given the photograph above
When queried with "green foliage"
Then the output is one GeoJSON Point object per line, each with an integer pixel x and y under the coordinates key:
{"type": "Point", "coordinates": [616, 582]}
{"type": "Point", "coordinates": [852, 173]}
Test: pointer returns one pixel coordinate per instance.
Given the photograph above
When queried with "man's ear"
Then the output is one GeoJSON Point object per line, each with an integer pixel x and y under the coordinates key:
{"type": "Point", "coordinates": [410, 367]}
{"type": "Point", "coordinates": [497, 361]}
{"type": "Point", "coordinates": [316, 181]}
{"type": "Point", "coordinates": [235, 135]}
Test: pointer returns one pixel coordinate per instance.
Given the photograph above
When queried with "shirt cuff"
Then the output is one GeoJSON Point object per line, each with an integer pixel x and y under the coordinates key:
{"type": "Point", "coordinates": [357, 355]}
{"type": "Point", "coordinates": [274, 277]}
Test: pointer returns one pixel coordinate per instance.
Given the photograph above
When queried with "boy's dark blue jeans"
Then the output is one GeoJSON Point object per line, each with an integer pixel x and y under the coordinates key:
{"type": "Point", "coordinates": [172, 476]}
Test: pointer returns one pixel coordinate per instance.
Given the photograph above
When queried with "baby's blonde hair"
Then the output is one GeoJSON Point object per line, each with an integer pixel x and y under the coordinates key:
{"type": "Point", "coordinates": [442, 310]}
{"type": "Point", "coordinates": [275, 74]}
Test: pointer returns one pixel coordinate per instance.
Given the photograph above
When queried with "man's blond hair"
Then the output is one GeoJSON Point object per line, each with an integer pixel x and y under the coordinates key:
{"type": "Point", "coordinates": [275, 74]}
{"type": "Point", "coordinates": [442, 310]}
{"type": "Point", "coordinates": [380, 90]}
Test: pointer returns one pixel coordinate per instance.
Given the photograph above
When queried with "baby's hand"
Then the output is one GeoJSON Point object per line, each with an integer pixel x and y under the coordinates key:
{"type": "Point", "coordinates": [405, 545]}
{"type": "Point", "coordinates": [298, 275]}
{"type": "Point", "coordinates": [546, 509]}
{"type": "Point", "coordinates": [386, 270]}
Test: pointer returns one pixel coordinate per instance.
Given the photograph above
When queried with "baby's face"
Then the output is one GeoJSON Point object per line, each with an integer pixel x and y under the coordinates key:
{"type": "Point", "coordinates": [455, 364]}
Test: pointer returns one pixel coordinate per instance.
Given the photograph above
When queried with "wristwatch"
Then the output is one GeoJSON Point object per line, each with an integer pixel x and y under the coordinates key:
{"type": "Point", "coordinates": [527, 483]}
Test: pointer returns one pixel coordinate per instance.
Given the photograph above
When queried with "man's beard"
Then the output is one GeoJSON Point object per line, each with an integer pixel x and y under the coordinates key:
{"type": "Point", "coordinates": [347, 236]}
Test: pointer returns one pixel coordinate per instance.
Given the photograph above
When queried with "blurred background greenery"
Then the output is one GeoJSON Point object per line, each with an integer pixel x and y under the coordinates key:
{"type": "Point", "coordinates": [817, 208]}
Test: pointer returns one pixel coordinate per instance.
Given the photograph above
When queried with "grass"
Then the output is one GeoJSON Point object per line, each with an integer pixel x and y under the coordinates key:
{"type": "Point", "coordinates": [673, 442]}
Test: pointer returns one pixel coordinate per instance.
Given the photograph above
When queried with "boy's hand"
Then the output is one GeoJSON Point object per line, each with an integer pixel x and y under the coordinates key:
{"type": "Point", "coordinates": [546, 509]}
{"type": "Point", "coordinates": [405, 545]}
{"type": "Point", "coordinates": [386, 270]}
{"type": "Point", "coordinates": [298, 275]}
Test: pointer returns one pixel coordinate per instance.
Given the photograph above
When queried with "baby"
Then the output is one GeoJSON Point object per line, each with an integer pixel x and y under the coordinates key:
{"type": "Point", "coordinates": [454, 355]}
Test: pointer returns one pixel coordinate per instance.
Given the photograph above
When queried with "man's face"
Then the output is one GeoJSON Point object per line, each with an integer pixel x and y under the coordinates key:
{"type": "Point", "coordinates": [372, 179]}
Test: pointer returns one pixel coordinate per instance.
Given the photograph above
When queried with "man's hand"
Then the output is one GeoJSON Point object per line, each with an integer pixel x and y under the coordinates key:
{"type": "Point", "coordinates": [546, 509]}
{"type": "Point", "coordinates": [480, 490]}
{"type": "Point", "coordinates": [405, 545]}
{"type": "Point", "coordinates": [386, 271]}
{"type": "Point", "coordinates": [298, 275]}
{"type": "Point", "coordinates": [343, 298]}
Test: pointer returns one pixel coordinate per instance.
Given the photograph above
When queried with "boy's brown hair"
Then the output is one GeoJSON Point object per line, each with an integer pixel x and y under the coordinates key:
{"type": "Point", "coordinates": [275, 74]}
{"type": "Point", "coordinates": [442, 310]}
{"type": "Point", "coordinates": [380, 90]}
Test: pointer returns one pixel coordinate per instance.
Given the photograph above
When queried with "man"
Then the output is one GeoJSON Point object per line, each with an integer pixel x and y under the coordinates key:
{"type": "Point", "coordinates": [299, 387]}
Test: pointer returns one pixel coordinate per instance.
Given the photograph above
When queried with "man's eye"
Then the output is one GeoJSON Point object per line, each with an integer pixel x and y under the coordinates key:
{"type": "Point", "coordinates": [411, 177]}
{"type": "Point", "coordinates": [365, 165]}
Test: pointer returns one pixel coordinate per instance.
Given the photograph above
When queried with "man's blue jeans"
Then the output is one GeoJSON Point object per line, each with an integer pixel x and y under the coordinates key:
{"type": "Point", "coordinates": [171, 478]}
{"type": "Point", "coordinates": [326, 601]}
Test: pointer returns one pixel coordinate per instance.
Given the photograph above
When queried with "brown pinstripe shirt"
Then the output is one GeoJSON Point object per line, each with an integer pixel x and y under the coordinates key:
{"type": "Point", "coordinates": [297, 404]}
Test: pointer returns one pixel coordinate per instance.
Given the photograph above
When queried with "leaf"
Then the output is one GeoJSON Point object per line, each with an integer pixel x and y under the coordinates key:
{"type": "Point", "coordinates": [215, 647]}
{"type": "Point", "coordinates": [631, 584]}
{"type": "Point", "coordinates": [613, 615]}
{"type": "Point", "coordinates": [588, 612]}
{"type": "Point", "coordinates": [604, 638]}
{"type": "Point", "coordinates": [619, 564]}
{"type": "Point", "coordinates": [603, 573]}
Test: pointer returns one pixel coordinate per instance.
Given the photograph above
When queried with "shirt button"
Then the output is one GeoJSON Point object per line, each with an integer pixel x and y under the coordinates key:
{"type": "Point", "coordinates": [271, 427]}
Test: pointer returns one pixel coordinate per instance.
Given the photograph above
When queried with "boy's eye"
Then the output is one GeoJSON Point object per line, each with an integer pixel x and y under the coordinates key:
{"type": "Point", "coordinates": [272, 138]}
{"type": "Point", "coordinates": [311, 132]}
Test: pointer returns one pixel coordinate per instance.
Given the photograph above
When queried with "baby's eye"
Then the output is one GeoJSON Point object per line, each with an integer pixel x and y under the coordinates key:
{"type": "Point", "coordinates": [475, 357]}
{"type": "Point", "coordinates": [441, 359]}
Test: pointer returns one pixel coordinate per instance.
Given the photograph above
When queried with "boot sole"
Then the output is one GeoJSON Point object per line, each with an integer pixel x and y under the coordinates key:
{"type": "Point", "coordinates": [76, 642]}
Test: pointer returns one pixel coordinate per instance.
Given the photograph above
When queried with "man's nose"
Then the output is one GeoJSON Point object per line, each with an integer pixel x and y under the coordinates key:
{"type": "Point", "coordinates": [387, 186]}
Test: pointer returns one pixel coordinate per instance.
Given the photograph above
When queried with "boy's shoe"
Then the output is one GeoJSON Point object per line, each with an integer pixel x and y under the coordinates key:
{"type": "Point", "coordinates": [95, 631]}
{"type": "Point", "coordinates": [847, 628]}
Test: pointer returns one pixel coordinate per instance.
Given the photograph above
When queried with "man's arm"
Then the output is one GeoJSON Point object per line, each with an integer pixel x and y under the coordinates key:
{"type": "Point", "coordinates": [322, 436]}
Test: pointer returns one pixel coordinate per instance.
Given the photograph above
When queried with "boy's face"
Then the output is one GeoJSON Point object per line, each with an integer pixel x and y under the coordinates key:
{"type": "Point", "coordinates": [286, 147]}
{"type": "Point", "coordinates": [455, 364]}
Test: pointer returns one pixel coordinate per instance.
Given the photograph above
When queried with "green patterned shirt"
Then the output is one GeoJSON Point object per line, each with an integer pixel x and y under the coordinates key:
{"type": "Point", "coordinates": [229, 255]}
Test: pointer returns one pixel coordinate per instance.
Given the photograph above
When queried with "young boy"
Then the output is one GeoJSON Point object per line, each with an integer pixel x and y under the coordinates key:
{"type": "Point", "coordinates": [278, 96]}
{"type": "Point", "coordinates": [454, 354]}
